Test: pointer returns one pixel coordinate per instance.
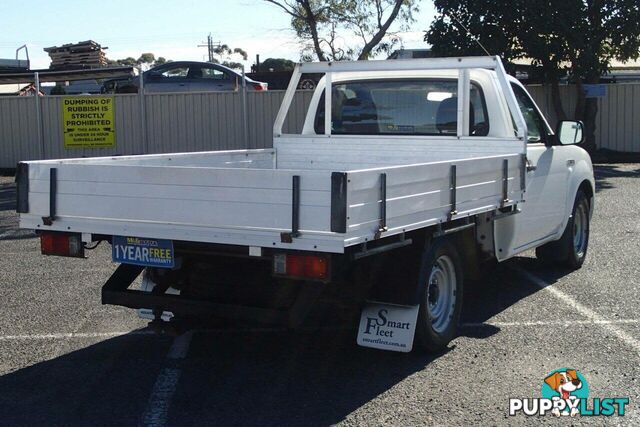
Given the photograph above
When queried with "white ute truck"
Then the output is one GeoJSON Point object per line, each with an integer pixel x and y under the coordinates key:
{"type": "Point", "coordinates": [406, 178]}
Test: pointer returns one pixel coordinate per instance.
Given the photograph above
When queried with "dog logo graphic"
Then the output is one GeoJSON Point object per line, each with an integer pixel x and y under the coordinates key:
{"type": "Point", "coordinates": [565, 392]}
{"type": "Point", "coordinates": [567, 385]}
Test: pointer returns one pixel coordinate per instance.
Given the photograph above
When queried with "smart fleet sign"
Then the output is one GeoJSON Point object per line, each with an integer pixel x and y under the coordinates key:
{"type": "Point", "coordinates": [388, 327]}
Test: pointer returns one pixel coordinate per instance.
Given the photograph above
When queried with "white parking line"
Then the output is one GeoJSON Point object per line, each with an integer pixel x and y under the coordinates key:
{"type": "Point", "coordinates": [166, 383]}
{"type": "Point", "coordinates": [554, 323]}
{"type": "Point", "coordinates": [71, 335]}
{"type": "Point", "coordinates": [180, 346]}
{"type": "Point", "coordinates": [585, 311]}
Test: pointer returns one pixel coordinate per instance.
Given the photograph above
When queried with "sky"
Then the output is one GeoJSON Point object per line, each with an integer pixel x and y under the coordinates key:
{"type": "Point", "coordinates": [172, 29]}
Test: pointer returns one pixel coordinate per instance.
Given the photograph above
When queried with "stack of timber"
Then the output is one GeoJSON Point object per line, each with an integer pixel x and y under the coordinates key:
{"type": "Point", "coordinates": [87, 54]}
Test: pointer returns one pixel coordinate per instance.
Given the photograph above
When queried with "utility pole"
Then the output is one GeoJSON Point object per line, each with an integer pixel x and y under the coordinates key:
{"type": "Point", "coordinates": [210, 47]}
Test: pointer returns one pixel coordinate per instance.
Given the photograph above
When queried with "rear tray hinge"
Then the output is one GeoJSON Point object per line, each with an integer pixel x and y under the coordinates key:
{"type": "Point", "coordinates": [382, 225]}
{"type": "Point", "coordinates": [287, 237]}
{"type": "Point", "coordinates": [53, 189]}
{"type": "Point", "coordinates": [505, 184]}
{"type": "Point", "coordinates": [452, 192]}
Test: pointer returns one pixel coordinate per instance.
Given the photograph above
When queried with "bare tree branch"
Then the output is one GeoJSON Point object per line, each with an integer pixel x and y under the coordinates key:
{"type": "Point", "coordinates": [379, 12]}
{"type": "Point", "coordinates": [303, 12]}
{"type": "Point", "coordinates": [377, 38]}
{"type": "Point", "coordinates": [313, 28]}
{"type": "Point", "coordinates": [286, 7]}
{"type": "Point", "coordinates": [321, 22]}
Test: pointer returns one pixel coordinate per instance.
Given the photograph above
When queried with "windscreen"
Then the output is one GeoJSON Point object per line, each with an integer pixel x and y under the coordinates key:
{"type": "Point", "coordinates": [402, 107]}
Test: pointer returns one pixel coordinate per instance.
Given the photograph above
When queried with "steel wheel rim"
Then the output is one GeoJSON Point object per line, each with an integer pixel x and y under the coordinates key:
{"type": "Point", "coordinates": [441, 293]}
{"type": "Point", "coordinates": [580, 224]}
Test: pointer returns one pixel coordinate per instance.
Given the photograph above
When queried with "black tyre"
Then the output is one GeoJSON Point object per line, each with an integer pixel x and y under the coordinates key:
{"type": "Point", "coordinates": [571, 250]}
{"type": "Point", "coordinates": [441, 287]}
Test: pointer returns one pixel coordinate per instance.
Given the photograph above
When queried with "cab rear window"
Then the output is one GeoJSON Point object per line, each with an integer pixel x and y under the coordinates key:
{"type": "Point", "coordinates": [400, 107]}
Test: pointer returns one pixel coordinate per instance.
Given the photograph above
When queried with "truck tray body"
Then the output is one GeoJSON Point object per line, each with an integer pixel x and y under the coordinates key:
{"type": "Point", "coordinates": [240, 198]}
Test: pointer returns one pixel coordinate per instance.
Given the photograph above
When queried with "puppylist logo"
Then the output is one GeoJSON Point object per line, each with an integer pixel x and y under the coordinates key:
{"type": "Point", "coordinates": [565, 392]}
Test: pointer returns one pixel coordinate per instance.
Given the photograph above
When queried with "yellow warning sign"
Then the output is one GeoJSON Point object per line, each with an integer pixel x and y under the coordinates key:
{"type": "Point", "coordinates": [88, 122]}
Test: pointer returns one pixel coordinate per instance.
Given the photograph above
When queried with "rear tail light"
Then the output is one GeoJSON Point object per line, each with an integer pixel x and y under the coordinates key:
{"type": "Point", "coordinates": [314, 267]}
{"type": "Point", "coordinates": [62, 244]}
{"type": "Point", "coordinates": [260, 86]}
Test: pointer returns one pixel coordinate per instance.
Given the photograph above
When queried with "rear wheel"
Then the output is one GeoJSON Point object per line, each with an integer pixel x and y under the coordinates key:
{"type": "Point", "coordinates": [571, 250]}
{"type": "Point", "coordinates": [441, 283]}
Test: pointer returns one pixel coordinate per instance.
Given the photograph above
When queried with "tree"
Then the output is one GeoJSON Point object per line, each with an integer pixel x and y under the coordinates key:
{"type": "Point", "coordinates": [525, 29]}
{"type": "Point", "coordinates": [129, 61]}
{"type": "Point", "coordinates": [323, 24]}
{"type": "Point", "coordinates": [146, 60]}
{"type": "Point", "coordinates": [277, 64]}
{"type": "Point", "coordinates": [606, 30]}
{"type": "Point", "coordinates": [575, 37]}
{"type": "Point", "coordinates": [227, 55]}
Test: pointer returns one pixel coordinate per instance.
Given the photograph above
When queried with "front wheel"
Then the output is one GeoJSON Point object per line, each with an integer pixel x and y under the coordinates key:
{"type": "Point", "coordinates": [441, 283]}
{"type": "Point", "coordinates": [571, 250]}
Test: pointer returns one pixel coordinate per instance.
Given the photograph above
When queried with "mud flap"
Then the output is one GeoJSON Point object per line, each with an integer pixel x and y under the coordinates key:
{"type": "Point", "coordinates": [388, 326]}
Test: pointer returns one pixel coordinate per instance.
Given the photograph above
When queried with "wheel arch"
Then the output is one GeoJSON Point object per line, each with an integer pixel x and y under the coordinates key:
{"type": "Point", "coordinates": [405, 274]}
{"type": "Point", "coordinates": [587, 188]}
{"type": "Point", "coordinates": [467, 246]}
{"type": "Point", "coordinates": [581, 178]}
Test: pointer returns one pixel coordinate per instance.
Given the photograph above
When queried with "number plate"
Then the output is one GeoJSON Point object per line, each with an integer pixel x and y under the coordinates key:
{"type": "Point", "coordinates": [142, 251]}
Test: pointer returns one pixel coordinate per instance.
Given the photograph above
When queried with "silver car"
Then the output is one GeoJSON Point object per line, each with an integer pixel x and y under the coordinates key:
{"type": "Point", "coordinates": [184, 76]}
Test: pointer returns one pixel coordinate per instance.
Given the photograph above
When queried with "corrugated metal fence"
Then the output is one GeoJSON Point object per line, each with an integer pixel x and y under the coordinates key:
{"type": "Point", "coordinates": [175, 122]}
{"type": "Point", "coordinates": [618, 120]}
{"type": "Point", "coordinates": [213, 121]}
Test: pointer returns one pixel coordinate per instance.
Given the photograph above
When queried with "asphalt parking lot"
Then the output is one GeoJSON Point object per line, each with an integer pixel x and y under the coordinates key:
{"type": "Point", "coordinates": [68, 360]}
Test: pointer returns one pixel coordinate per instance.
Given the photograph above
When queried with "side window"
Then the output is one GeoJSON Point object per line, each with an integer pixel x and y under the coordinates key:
{"type": "Point", "coordinates": [536, 128]}
{"type": "Point", "coordinates": [400, 107]}
{"type": "Point", "coordinates": [478, 115]}
{"type": "Point", "coordinates": [214, 74]}
{"type": "Point", "coordinates": [176, 72]}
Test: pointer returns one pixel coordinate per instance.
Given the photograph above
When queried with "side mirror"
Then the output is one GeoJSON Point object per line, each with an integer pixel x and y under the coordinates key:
{"type": "Point", "coordinates": [569, 132]}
